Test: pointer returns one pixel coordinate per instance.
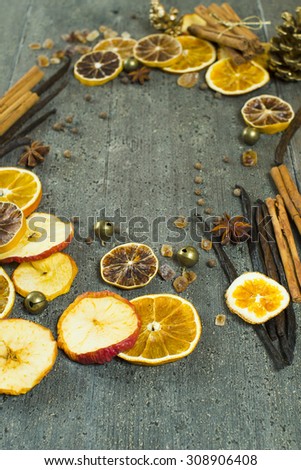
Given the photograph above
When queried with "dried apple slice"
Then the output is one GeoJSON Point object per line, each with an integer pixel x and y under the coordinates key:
{"type": "Point", "coordinates": [45, 234]}
{"type": "Point", "coordinates": [97, 326]}
{"type": "Point", "coordinates": [12, 226]}
{"type": "Point", "coordinates": [53, 276]}
{"type": "Point", "coordinates": [27, 353]}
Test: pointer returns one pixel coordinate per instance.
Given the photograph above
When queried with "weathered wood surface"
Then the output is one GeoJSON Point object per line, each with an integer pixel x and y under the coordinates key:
{"type": "Point", "coordinates": [140, 160]}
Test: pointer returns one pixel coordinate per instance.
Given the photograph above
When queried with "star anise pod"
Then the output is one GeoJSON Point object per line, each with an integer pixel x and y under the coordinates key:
{"type": "Point", "coordinates": [140, 75]}
{"type": "Point", "coordinates": [231, 229]}
{"type": "Point", "coordinates": [34, 154]}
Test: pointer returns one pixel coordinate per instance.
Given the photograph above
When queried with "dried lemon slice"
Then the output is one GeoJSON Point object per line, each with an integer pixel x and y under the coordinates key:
{"type": "Point", "coordinates": [170, 330]}
{"type": "Point", "coordinates": [256, 298]}
{"type": "Point", "coordinates": [158, 50]}
{"type": "Point", "coordinates": [97, 68]}
{"type": "Point", "coordinates": [267, 113]}
{"type": "Point", "coordinates": [22, 187]}
{"type": "Point", "coordinates": [230, 79]}
{"type": "Point", "coordinates": [196, 55]}
{"type": "Point", "coordinates": [7, 294]}
{"type": "Point", "coordinates": [129, 266]}
{"type": "Point", "coordinates": [123, 47]}
{"type": "Point", "coordinates": [12, 226]}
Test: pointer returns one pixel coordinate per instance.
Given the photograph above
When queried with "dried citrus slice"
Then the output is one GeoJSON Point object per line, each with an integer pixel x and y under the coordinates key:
{"type": "Point", "coordinates": [170, 330]}
{"type": "Point", "coordinates": [27, 354]}
{"type": "Point", "coordinates": [123, 47]}
{"type": "Point", "coordinates": [97, 68]}
{"type": "Point", "coordinates": [196, 55]}
{"type": "Point", "coordinates": [22, 187]}
{"type": "Point", "coordinates": [230, 79]}
{"type": "Point", "coordinates": [256, 298]}
{"type": "Point", "coordinates": [267, 113]}
{"type": "Point", "coordinates": [7, 294]}
{"type": "Point", "coordinates": [12, 226]}
{"type": "Point", "coordinates": [158, 50]}
{"type": "Point", "coordinates": [129, 266]}
{"type": "Point", "coordinates": [53, 276]}
{"type": "Point", "coordinates": [97, 326]}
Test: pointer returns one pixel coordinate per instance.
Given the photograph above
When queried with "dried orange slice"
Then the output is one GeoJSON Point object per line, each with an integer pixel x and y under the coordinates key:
{"type": "Point", "coordinates": [230, 79]}
{"type": "Point", "coordinates": [267, 113]}
{"type": "Point", "coordinates": [196, 55]}
{"type": "Point", "coordinates": [98, 68]}
{"type": "Point", "coordinates": [12, 226]}
{"type": "Point", "coordinates": [53, 276]}
{"type": "Point", "coordinates": [170, 330]}
{"type": "Point", "coordinates": [7, 294]}
{"type": "Point", "coordinates": [123, 47]}
{"type": "Point", "coordinates": [256, 298]}
{"type": "Point", "coordinates": [22, 187]}
{"type": "Point", "coordinates": [158, 50]}
{"type": "Point", "coordinates": [129, 266]}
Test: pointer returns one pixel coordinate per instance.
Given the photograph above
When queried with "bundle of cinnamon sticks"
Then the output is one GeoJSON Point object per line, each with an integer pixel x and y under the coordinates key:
{"type": "Point", "coordinates": [19, 99]}
{"type": "Point", "coordinates": [240, 42]}
{"type": "Point", "coordinates": [286, 245]}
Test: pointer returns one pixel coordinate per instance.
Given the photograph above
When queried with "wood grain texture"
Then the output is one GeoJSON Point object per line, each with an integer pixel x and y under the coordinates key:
{"type": "Point", "coordinates": [226, 394]}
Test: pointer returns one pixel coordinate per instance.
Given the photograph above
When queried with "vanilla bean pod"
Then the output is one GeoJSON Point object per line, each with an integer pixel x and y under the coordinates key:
{"type": "Point", "coordinates": [286, 137]}
{"type": "Point", "coordinates": [278, 323]}
{"type": "Point", "coordinates": [40, 89]}
{"type": "Point", "coordinates": [14, 144]}
{"type": "Point", "coordinates": [290, 313]}
{"type": "Point", "coordinates": [254, 251]}
{"type": "Point", "coordinates": [22, 139]}
{"type": "Point", "coordinates": [29, 114]}
{"type": "Point", "coordinates": [232, 274]}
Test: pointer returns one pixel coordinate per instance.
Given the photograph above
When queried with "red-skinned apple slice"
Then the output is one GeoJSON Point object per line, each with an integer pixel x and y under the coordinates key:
{"type": "Point", "coordinates": [97, 326]}
{"type": "Point", "coordinates": [45, 234]}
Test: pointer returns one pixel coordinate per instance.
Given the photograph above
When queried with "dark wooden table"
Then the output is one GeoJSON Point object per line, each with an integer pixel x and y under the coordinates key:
{"type": "Point", "coordinates": [227, 394]}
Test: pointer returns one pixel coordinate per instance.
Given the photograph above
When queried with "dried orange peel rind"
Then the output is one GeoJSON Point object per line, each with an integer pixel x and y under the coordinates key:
{"type": "Point", "coordinates": [267, 113]}
{"type": "Point", "coordinates": [170, 330]}
{"type": "Point", "coordinates": [98, 67]}
{"type": "Point", "coordinates": [28, 352]}
{"type": "Point", "coordinates": [21, 187]}
{"type": "Point", "coordinates": [229, 79]}
{"type": "Point", "coordinates": [7, 294]}
{"type": "Point", "coordinates": [158, 50]}
{"type": "Point", "coordinates": [129, 266]}
{"type": "Point", "coordinates": [256, 298]}
{"type": "Point", "coordinates": [12, 226]}
{"type": "Point", "coordinates": [196, 55]}
{"type": "Point", "coordinates": [53, 276]}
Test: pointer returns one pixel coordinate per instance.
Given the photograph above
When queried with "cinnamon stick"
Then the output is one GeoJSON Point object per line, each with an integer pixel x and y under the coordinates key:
{"type": "Point", "coordinates": [24, 84]}
{"type": "Point", "coordinates": [16, 103]}
{"type": "Point", "coordinates": [287, 231]}
{"type": "Point", "coordinates": [18, 113]}
{"type": "Point", "coordinates": [284, 251]}
{"type": "Point", "coordinates": [289, 192]}
{"type": "Point", "coordinates": [224, 39]}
